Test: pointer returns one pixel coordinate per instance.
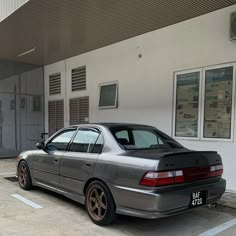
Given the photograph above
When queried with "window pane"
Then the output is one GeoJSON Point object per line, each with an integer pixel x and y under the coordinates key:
{"type": "Point", "coordinates": [218, 103]}
{"type": "Point", "coordinates": [146, 139]}
{"type": "Point", "coordinates": [108, 95]}
{"type": "Point", "coordinates": [84, 141]}
{"type": "Point", "coordinates": [135, 137]}
{"type": "Point", "coordinates": [123, 134]}
{"type": "Point", "coordinates": [61, 141]}
{"type": "Point", "coordinates": [122, 137]}
{"type": "Point", "coordinates": [99, 145]}
{"type": "Point", "coordinates": [187, 105]}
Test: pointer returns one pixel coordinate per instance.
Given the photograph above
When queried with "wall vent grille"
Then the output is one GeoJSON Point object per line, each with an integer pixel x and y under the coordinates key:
{"type": "Point", "coordinates": [78, 79]}
{"type": "Point", "coordinates": [55, 84]}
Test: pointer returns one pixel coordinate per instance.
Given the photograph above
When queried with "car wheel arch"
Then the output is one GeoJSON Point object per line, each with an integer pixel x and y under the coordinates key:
{"type": "Point", "coordinates": [89, 181]}
{"type": "Point", "coordinates": [18, 164]}
{"type": "Point", "coordinates": [23, 160]}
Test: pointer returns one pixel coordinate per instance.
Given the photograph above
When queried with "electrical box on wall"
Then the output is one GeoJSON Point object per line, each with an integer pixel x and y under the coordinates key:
{"type": "Point", "coordinates": [233, 27]}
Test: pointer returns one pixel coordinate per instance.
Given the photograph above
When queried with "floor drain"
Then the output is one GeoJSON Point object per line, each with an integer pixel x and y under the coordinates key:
{"type": "Point", "coordinates": [12, 179]}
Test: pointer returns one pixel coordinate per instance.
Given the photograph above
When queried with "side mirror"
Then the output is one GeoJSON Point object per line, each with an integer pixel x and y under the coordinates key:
{"type": "Point", "coordinates": [40, 146]}
{"type": "Point", "coordinates": [43, 136]}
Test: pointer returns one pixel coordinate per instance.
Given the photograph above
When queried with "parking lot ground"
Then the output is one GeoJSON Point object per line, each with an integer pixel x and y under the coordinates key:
{"type": "Point", "coordinates": [61, 216]}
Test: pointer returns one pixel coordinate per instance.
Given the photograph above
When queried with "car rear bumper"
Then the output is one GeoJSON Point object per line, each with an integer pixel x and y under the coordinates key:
{"type": "Point", "coordinates": [156, 204]}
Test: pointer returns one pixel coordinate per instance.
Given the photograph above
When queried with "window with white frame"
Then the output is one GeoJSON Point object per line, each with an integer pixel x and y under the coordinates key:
{"type": "Point", "coordinates": [208, 116]}
{"type": "Point", "coordinates": [218, 103]}
{"type": "Point", "coordinates": [108, 95]}
{"type": "Point", "coordinates": [187, 104]}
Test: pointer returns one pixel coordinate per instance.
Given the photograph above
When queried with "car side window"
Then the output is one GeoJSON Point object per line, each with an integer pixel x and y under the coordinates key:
{"type": "Point", "coordinates": [98, 145]}
{"type": "Point", "coordinates": [87, 140]}
{"type": "Point", "coordinates": [122, 137]}
{"type": "Point", "coordinates": [61, 141]}
{"type": "Point", "coordinates": [144, 139]}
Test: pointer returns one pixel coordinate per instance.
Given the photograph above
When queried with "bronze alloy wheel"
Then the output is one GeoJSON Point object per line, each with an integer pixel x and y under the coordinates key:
{"type": "Point", "coordinates": [97, 203]}
{"type": "Point", "coordinates": [100, 204]}
{"type": "Point", "coordinates": [24, 177]}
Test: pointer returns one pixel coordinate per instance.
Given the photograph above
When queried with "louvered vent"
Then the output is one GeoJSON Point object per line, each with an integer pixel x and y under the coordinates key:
{"type": "Point", "coordinates": [55, 84]}
{"type": "Point", "coordinates": [55, 116]}
{"type": "Point", "coordinates": [79, 110]}
{"type": "Point", "coordinates": [78, 80]}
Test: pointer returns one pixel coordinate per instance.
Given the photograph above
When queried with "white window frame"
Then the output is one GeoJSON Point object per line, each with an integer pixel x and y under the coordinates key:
{"type": "Point", "coordinates": [201, 101]}
{"type": "Point", "coordinates": [232, 106]}
{"type": "Point", "coordinates": [116, 95]}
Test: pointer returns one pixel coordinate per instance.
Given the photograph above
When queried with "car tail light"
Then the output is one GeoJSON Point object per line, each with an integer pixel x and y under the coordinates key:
{"type": "Point", "coordinates": [216, 170]}
{"type": "Point", "coordinates": [153, 178]}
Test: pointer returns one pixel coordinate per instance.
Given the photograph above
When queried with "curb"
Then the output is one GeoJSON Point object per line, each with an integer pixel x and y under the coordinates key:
{"type": "Point", "coordinates": [228, 200]}
{"type": "Point", "coordinates": [227, 204]}
{"type": "Point", "coordinates": [7, 157]}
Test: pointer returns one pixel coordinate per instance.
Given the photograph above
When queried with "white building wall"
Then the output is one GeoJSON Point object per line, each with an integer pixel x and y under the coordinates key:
{"type": "Point", "coordinates": [7, 7]}
{"type": "Point", "coordinates": [146, 84]}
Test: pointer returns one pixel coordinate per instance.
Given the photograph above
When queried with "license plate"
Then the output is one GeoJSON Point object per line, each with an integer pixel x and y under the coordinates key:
{"type": "Point", "coordinates": [198, 199]}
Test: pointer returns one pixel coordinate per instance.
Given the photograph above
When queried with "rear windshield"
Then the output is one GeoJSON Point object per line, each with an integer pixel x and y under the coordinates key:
{"type": "Point", "coordinates": [135, 137]}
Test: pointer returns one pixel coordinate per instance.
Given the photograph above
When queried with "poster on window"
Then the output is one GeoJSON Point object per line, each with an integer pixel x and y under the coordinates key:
{"type": "Point", "coordinates": [218, 103]}
{"type": "Point", "coordinates": [187, 105]}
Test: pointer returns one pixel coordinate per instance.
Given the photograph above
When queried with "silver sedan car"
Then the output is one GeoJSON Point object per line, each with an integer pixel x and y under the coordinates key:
{"type": "Point", "coordinates": [128, 169]}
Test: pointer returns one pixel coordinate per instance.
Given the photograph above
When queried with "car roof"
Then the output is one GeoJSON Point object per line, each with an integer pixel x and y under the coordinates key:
{"type": "Point", "coordinates": [113, 124]}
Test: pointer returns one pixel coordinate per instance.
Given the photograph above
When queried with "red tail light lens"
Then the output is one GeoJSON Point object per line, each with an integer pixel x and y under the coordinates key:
{"type": "Point", "coordinates": [153, 179]}
{"type": "Point", "coordinates": [216, 170]}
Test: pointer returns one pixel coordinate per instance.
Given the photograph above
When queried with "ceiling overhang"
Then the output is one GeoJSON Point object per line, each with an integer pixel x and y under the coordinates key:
{"type": "Point", "coordinates": [62, 29]}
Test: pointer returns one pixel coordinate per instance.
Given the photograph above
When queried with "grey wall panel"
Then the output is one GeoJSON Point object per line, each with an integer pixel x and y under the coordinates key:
{"type": "Point", "coordinates": [21, 110]}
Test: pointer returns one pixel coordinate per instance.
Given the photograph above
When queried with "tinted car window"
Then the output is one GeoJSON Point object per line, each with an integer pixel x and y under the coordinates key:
{"type": "Point", "coordinates": [99, 145]}
{"type": "Point", "coordinates": [61, 141]}
{"type": "Point", "coordinates": [87, 140]}
{"type": "Point", "coordinates": [123, 137]}
{"type": "Point", "coordinates": [142, 137]}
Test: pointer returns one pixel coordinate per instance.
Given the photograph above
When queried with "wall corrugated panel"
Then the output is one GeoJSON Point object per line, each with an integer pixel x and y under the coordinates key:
{"type": "Point", "coordinates": [55, 116]}
{"type": "Point", "coordinates": [79, 110]}
{"type": "Point", "coordinates": [7, 7]}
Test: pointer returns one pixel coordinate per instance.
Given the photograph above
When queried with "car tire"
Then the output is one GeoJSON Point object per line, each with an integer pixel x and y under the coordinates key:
{"type": "Point", "coordinates": [24, 177]}
{"type": "Point", "coordinates": [99, 203]}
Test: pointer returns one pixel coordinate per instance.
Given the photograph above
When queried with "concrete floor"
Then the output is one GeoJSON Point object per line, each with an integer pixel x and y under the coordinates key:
{"type": "Point", "coordinates": [60, 216]}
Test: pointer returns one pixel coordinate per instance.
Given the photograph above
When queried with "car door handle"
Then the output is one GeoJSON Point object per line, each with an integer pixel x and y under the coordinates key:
{"type": "Point", "coordinates": [56, 160]}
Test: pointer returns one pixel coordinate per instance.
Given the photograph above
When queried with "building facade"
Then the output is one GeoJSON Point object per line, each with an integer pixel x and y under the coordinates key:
{"type": "Point", "coordinates": [180, 79]}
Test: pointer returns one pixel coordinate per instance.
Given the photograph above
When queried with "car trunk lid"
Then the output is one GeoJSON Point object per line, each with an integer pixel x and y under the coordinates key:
{"type": "Point", "coordinates": [180, 166]}
{"type": "Point", "coordinates": [195, 161]}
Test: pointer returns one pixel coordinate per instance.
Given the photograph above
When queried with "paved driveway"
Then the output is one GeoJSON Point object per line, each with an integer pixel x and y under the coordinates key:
{"type": "Point", "coordinates": [53, 214]}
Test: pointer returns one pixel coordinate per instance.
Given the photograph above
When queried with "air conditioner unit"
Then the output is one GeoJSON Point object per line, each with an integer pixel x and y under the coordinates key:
{"type": "Point", "coordinates": [233, 27]}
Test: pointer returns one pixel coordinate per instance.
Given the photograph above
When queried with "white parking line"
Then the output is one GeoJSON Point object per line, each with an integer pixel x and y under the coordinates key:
{"type": "Point", "coordinates": [220, 228]}
{"type": "Point", "coordinates": [8, 173]}
{"type": "Point", "coordinates": [26, 201]}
